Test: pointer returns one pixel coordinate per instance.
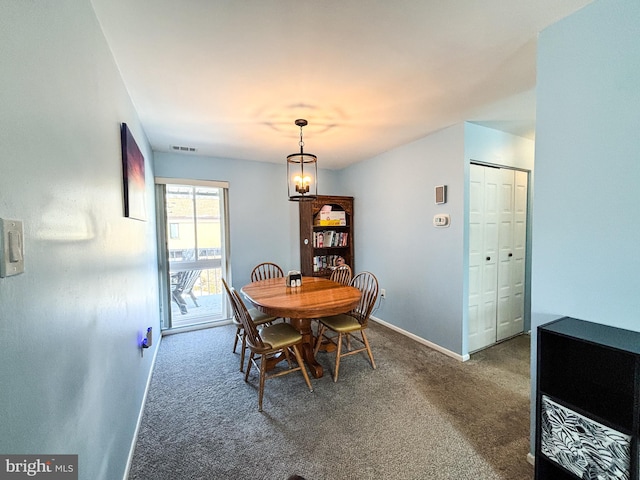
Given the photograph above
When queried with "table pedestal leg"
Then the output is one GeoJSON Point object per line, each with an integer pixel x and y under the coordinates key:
{"type": "Point", "coordinates": [303, 325]}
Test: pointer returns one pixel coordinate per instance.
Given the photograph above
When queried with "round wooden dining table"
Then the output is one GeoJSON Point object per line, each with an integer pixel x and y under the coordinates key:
{"type": "Point", "coordinates": [316, 297]}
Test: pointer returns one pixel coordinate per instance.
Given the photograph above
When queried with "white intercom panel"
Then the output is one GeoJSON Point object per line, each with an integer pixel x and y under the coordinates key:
{"type": "Point", "coordinates": [11, 247]}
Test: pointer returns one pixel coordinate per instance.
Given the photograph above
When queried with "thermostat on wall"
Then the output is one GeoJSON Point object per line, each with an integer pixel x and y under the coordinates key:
{"type": "Point", "coordinates": [441, 194]}
{"type": "Point", "coordinates": [441, 220]}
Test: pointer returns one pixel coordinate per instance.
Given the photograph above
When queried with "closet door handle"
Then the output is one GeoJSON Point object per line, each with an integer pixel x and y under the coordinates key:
{"type": "Point", "coordinates": [488, 258]}
{"type": "Point", "coordinates": [511, 254]}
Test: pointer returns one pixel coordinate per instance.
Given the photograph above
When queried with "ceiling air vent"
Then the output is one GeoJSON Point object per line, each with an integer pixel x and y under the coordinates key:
{"type": "Point", "coordinates": [180, 148]}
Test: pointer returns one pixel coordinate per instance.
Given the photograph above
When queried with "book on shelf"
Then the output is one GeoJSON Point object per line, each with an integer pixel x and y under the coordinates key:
{"type": "Point", "coordinates": [330, 238]}
{"type": "Point", "coordinates": [322, 263]}
{"type": "Point", "coordinates": [344, 239]}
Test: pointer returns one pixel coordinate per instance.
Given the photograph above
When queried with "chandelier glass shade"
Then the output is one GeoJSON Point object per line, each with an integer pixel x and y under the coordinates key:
{"type": "Point", "coordinates": [302, 172]}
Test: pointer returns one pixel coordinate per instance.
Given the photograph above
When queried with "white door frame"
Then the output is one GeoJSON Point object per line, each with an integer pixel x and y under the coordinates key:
{"type": "Point", "coordinates": [163, 260]}
{"type": "Point", "coordinates": [512, 255]}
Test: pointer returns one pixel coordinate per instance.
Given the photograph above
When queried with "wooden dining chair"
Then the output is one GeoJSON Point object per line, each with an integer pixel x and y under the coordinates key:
{"type": "Point", "coordinates": [266, 270]}
{"type": "Point", "coordinates": [257, 317]}
{"type": "Point", "coordinates": [348, 324]}
{"type": "Point", "coordinates": [267, 342]}
{"type": "Point", "coordinates": [342, 274]}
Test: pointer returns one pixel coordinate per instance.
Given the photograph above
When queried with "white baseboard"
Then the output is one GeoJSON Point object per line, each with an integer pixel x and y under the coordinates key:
{"type": "Point", "coordinates": [144, 402]}
{"type": "Point", "coordinates": [531, 459]}
{"type": "Point", "coordinates": [197, 326]}
{"type": "Point", "coordinates": [435, 346]}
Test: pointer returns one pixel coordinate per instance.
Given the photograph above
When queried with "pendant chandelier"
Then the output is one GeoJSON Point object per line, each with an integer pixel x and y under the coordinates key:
{"type": "Point", "coordinates": [302, 172]}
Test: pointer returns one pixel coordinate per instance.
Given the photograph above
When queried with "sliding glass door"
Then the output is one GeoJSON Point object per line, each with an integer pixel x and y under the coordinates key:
{"type": "Point", "coordinates": [192, 236]}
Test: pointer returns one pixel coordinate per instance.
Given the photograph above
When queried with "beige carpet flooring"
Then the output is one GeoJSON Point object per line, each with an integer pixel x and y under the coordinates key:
{"type": "Point", "coordinates": [420, 415]}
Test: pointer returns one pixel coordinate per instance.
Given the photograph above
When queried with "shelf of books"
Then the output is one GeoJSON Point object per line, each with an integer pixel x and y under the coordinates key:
{"type": "Point", "coordinates": [330, 238]}
{"type": "Point", "coordinates": [324, 264]}
{"type": "Point", "coordinates": [326, 234]}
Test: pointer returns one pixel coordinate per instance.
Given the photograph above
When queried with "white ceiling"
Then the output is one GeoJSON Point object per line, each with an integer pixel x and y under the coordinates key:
{"type": "Point", "coordinates": [229, 77]}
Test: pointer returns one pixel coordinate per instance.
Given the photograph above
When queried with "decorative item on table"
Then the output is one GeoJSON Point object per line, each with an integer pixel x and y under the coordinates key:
{"type": "Point", "coordinates": [294, 278]}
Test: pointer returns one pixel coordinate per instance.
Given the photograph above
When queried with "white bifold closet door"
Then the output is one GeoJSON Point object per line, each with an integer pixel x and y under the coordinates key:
{"type": "Point", "coordinates": [497, 248]}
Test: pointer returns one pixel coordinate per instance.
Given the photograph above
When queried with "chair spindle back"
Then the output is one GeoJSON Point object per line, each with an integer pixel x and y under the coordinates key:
{"type": "Point", "coordinates": [367, 283]}
{"type": "Point", "coordinates": [250, 328]}
{"type": "Point", "coordinates": [236, 318]}
{"type": "Point", "coordinates": [241, 316]}
{"type": "Point", "coordinates": [265, 271]}
{"type": "Point", "coordinates": [342, 274]}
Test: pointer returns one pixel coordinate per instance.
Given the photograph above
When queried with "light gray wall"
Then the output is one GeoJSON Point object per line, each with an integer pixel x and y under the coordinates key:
{"type": "Point", "coordinates": [494, 147]}
{"type": "Point", "coordinates": [72, 378]}
{"type": "Point", "coordinates": [394, 208]}
{"type": "Point", "coordinates": [586, 224]}
{"type": "Point", "coordinates": [498, 148]}
{"type": "Point", "coordinates": [264, 224]}
{"type": "Point", "coordinates": [424, 270]}
{"type": "Point", "coordinates": [420, 267]}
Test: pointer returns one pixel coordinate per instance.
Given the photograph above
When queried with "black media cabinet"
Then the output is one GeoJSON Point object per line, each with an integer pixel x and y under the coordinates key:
{"type": "Point", "coordinates": [587, 402]}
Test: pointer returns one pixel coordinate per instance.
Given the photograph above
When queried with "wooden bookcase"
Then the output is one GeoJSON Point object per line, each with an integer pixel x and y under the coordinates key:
{"type": "Point", "coordinates": [311, 253]}
{"type": "Point", "coordinates": [588, 401]}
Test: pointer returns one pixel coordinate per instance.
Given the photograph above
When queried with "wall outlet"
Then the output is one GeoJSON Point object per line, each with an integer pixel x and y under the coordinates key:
{"type": "Point", "coordinates": [383, 293]}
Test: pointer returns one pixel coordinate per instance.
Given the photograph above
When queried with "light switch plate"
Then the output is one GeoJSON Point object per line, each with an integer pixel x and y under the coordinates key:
{"type": "Point", "coordinates": [11, 247]}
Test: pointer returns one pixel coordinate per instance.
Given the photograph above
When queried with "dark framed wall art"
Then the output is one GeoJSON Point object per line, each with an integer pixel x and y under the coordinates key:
{"type": "Point", "coordinates": [133, 176]}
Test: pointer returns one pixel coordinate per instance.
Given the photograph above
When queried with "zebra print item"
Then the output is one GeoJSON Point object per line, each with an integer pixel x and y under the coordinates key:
{"type": "Point", "coordinates": [586, 448]}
